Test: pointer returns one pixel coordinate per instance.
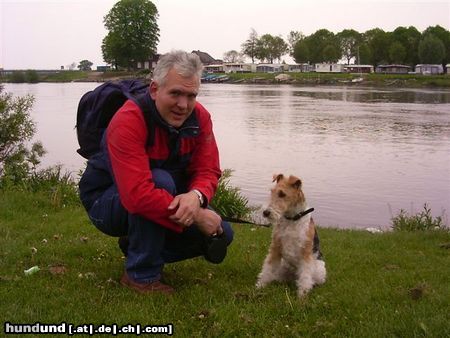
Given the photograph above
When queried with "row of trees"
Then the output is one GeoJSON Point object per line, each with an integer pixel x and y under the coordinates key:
{"type": "Point", "coordinates": [133, 35]}
{"type": "Point", "coordinates": [405, 45]}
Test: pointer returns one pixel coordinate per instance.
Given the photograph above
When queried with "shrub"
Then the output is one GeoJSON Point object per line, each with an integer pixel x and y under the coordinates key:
{"type": "Point", "coordinates": [31, 76]}
{"type": "Point", "coordinates": [228, 200]}
{"type": "Point", "coordinates": [422, 221]}
{"type": "Point", "coordinates": [17, 159]}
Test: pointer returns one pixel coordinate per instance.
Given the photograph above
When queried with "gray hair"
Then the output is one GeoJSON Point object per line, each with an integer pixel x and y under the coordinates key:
{"type": "Point", "coordinates": [186, 65]}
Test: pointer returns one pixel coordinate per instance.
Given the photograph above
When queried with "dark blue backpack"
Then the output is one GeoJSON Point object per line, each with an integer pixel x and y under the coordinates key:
{"type": "Point", "coordinates": [97, 107]}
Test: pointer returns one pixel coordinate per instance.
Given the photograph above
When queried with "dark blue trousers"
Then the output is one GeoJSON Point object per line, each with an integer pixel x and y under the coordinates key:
{"type": "Point", "coordinates": [150, 245]}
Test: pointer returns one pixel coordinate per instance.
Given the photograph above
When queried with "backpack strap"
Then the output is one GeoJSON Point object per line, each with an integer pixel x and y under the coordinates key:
{"type": "Point", "coordinates": [144, 103]}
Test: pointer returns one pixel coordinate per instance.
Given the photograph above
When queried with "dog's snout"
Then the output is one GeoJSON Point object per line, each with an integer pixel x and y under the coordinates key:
{"type": "Point", "coordinates": [266, 213]}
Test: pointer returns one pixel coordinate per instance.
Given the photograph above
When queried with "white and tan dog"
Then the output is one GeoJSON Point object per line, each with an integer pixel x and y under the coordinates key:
{"type": "Point", "coordinates": [294, 251]}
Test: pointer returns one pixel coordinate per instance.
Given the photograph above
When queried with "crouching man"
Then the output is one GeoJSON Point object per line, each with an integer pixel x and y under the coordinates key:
{"type": "Point", "coordinates": [154, 195]}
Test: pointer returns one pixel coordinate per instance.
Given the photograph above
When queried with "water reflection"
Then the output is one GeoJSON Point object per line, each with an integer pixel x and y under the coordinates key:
{"type": "Point", "coordinates": [349, 94]}
{"type": "Point", "coordinates": [371, 95]}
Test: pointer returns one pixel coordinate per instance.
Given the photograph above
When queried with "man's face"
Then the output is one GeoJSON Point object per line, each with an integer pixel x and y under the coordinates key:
{"type": "Point", "coordinates": [175, 100]}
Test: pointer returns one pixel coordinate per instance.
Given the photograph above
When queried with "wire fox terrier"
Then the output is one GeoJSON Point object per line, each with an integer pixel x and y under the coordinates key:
{"type": "Point", "coordinates": [294, 251]}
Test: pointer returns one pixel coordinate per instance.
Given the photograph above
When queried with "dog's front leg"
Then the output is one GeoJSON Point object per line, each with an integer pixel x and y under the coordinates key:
{"type": "Point", "coordinates": [305, 278]}
{"type": "Point", "coordinates": [271, 266]}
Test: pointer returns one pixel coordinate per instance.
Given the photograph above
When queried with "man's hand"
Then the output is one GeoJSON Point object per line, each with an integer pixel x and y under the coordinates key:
{"type": "Point", "coordinates": [208, 222]}
{"type": "Point", "coordinates": [188, 211]}
{"type": "Point", "coordinates": [187, 207]}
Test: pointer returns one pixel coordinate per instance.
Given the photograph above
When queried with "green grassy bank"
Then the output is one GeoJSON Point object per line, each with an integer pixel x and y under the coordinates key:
{"type": "Point", "coordinates": [394, 284]}
{"type": "Point", "coordinates": [379, 80]}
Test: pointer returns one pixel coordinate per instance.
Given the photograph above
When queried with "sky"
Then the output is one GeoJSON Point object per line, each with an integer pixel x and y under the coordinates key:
{"type": "Point", "coordinates": [48, 34]}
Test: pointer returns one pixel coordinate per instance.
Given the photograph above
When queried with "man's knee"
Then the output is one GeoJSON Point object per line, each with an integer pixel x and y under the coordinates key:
{"type": "Point", "coordinates": [164, 180]}
{"type": "Point", "coordinates": [228, 231]}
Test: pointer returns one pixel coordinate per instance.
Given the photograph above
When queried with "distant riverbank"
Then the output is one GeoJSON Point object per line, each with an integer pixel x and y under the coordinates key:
{"type": "Point", "coordinates": [312, 78]}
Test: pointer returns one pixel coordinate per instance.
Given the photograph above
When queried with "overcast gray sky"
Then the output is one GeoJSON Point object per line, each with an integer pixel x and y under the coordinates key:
{"type": "Point", "coordinates": [47, 34]}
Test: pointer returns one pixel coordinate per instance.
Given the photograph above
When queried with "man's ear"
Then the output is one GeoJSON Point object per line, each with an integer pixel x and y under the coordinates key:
{"type": "Point", "coordinates": [153, 89]}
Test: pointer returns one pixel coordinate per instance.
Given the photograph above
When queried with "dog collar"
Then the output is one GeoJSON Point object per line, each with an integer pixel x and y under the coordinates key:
{"type": "Point", "coordinates": [300, 215]}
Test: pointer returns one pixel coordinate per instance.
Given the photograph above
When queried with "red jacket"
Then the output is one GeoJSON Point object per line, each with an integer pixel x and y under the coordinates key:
{"type": "Point", "coordinates": [132, 159]}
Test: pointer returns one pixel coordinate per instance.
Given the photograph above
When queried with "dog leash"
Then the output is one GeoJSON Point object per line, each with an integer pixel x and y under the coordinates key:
{"type": "Point", "coordinates": [237, 220]}
{"type": "Point", "coordinates": [295, 218]}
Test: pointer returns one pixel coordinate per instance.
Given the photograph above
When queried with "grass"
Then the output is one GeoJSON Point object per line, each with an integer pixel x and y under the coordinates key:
{"type": "Point", "coordinates": [393, 284]}
{"type": "Point", "coordinates": [373, 79]}
{"type": "Point", "coordinates": [311, 78]}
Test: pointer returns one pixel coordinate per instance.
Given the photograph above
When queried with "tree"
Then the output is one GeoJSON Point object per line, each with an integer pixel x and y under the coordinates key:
{"type": "Point", "coordinates": [349, 41]}
{"type": "Point", "coordinates": [409, 38]}
{"type": "Point", "coordinates": [293, 38]}
{"type": "Point", "coordinates": [85, 65]}
{"type": "Point", "coordinates": [250, 45]}
{"type": "Point", "coordinates": [397, 53]}
{"type": "Point", "coordinates": [271, 48]}
{"type": "Point", "coordinates": [378, 42]}
{"type": "Point", "coordinates": [232, 56]}
{"type": "Point", "coordinates": [323, 46]}
{"type": "Point", "coordinates": [301, 52]}
{"type": "Point", "coordinates": [365, 54]}
{"type": "Point", "coordinates": [133, 33]}
{"type": "Point", "coordinates": [16, 130]}
{"type": "Point", "coordinates": [431, 50]}
{"type": "Point", "coordinates": [443, 35]}
{"type": "Point", "coordinates": [331, 53]}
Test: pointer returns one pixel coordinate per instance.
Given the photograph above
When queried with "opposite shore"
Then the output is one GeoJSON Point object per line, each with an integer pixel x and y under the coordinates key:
{"type": "Point", "coordinates": [312, 78]}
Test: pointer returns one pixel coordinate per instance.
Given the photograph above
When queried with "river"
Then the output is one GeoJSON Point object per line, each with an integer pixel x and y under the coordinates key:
{"type": "Point", "coordinates": [362, 153]}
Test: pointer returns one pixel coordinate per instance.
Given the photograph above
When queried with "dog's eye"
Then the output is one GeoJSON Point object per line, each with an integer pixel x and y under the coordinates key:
{"type": "Point", "coordinates": [281, 194]}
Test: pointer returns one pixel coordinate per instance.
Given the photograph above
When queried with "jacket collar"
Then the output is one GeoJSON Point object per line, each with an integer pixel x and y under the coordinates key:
{"type": "Point", "coordinates": [190, 127]}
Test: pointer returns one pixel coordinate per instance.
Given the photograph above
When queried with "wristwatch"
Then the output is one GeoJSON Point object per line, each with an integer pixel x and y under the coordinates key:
{"type": "Point", "coordinates": [200, 196]}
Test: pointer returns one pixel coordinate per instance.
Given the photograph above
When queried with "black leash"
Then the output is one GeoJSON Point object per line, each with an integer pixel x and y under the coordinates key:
{"type": "Point", "coordinates": [295, 218]}
{"type": "Point", "coordinates": [238, 220]}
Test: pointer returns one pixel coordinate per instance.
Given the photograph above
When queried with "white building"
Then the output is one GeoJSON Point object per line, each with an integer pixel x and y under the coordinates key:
{"type": "Point", "coordinates": [239, 67]}
{"type": "Point", "coordinates": [329, 68]}
{"type": "Point", "coordinates": [427, 69]}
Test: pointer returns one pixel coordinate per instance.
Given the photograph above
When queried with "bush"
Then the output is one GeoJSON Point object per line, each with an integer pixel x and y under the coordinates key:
{"type": "Point", "coordinates": [31, 76]}
{"type": "Point", "coordinates": [422, 221]}
{"type": "Point", "coordinates": [228, 201]}
{"type": "Point", "coordinates": [17, 159]}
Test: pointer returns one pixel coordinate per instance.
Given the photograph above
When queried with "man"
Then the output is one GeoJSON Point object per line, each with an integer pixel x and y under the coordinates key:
{"type": "Point", "coordinates": [154, 195]}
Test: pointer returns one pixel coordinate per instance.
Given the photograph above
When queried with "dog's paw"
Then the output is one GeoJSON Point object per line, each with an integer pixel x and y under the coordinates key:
{"type": "Point", "coordinates": [260, 284]}
{"type": "Point", "coordinates": [302, 293]}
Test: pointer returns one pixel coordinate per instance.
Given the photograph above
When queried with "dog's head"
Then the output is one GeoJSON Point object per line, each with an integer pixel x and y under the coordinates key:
{"type": "Point", "coordinates": [286, 197]}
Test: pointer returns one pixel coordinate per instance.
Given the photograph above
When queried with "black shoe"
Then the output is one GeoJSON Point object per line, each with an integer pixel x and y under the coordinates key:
{"type": "Point", "coordinates": [216, 248]}
{"type": "Point", "coordinates": [123, 244]}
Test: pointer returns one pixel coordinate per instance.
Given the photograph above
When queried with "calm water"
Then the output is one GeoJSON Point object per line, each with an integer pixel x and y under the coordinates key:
{"type": "Point", "coordinates": [363, 153]}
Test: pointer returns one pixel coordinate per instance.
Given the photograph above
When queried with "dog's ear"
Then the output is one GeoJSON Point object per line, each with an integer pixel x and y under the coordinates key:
{"type": "Point", "coordinates": [277, 177]}
{"type": "Point", "coordinates": [295, 182]}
